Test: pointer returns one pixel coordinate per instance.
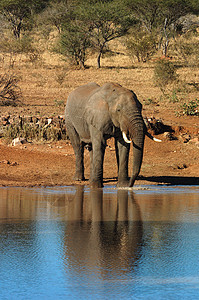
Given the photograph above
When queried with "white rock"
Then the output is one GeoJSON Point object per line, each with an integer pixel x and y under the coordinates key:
{"type": "Point", "coordinates": [18, 141]}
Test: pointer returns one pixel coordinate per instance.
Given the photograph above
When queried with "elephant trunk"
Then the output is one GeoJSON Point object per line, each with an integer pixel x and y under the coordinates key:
{"type": "Point", "coordinates": [137, 134]}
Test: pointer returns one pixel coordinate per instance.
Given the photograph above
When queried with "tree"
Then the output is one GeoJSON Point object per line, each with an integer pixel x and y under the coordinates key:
{"type": "Point", "coordinates": [93, 24]}
{"type": "Point", "coordinates": [171, 11]}
{"type": "Point", "coordinates": [74, 42]}
{"type": "Point", "coordinates": [19, 13]}
{"type": "Point", "coordinates": [145, 11]}
{"type": "Point", "coordinates": [106, 20]}
{"type": "Point", "coordinates": [140, 44]}
{"type": "Point", "coordinates": [161, 15]}
{"type": "Point", "coordinates": [57, 13]}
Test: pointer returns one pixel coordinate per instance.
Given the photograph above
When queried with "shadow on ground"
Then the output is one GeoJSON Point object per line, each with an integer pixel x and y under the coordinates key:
{"type": "Point", "coordinates": [171, 180]}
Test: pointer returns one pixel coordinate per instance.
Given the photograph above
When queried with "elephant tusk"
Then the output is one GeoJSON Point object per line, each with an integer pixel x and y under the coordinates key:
{"type": "Point", "coordinates": [153, 138]}
{"type": "Point", "coordinates": [157, 140]}
{"type": "Point", "coordinates": [125, 138]}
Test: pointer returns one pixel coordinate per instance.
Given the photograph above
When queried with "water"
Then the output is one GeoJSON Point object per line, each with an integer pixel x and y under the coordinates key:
{"type": "Point", "coordinates": [73, 243]}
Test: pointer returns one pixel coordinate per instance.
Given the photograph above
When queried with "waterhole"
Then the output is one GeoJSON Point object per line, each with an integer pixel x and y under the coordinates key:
{"type": "Point", "coordinates": [77, 243]}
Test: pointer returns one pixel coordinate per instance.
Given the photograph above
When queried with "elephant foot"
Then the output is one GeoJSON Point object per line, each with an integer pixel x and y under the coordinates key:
{"type": "Point", "coordinates": [96, 184]}
{"type": "Point", "coordinates": [123, 183]}
{"type": "Point", "coordinates": [78, 177]}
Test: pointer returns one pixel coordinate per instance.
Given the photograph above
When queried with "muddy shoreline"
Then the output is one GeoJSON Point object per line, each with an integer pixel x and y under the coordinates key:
{"type": "Point", "coordinates": [172, 162]}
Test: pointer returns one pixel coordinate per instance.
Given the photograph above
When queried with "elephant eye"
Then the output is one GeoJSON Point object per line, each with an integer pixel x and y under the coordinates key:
{"type": "Point", "coordinates": [118, 109]}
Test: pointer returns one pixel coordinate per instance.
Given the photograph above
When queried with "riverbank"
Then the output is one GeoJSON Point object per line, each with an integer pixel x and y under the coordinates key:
{"type": "Point", "coordinates": [174, 161]}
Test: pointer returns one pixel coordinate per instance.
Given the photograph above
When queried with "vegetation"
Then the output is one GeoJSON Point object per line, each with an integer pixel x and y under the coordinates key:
{"type": "Point", "coordinates": [186, 47]}
{"type": "Point", "coordinates": [20, 13]}
{"type": "Point", "coordinates": [164, 73]}
{"type": "Point", "coordinates": [10, 92]}
{"type": "Point", "coordinates": [141, 45]}
{"type": "Point", "coordinates": [191, 108]}
{"type": "Point", "coordinates": [162, 17]}
{"type": "Point", "coordinates": [131, 41]}
{"type": "Point", "coordinates": [90, 26]}
{"type": "Point", "coordinates": [31, 131]}
{"type": "Point", "coordinates": [106, 21]}
{"type": "Point", "coordinates": [85, 27]}
{"type": "Point", "coordinates": [74, 43]}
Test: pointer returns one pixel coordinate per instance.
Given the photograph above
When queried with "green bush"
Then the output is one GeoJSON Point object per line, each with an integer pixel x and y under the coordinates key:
{"type": "Point", "coordinates": [164, 74]}
{"type": "Point", "coordinates": [17, 46]}
{"type": "Point", "coordinates": [141, 46]}
{"type": "Point", "coordinates": [186, 48]}
{"type": "Point", "coordinates": [191, 108]}
{"type": "Point", "coordinates": [174, 97]}
{"type": "Point", "coordinates": [74, 43]}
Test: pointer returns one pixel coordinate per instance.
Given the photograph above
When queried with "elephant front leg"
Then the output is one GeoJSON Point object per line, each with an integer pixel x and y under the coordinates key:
{"type": "Point", "coordinates": [97, 159]}
{"type": "Point", "coordinates": [122, 154]}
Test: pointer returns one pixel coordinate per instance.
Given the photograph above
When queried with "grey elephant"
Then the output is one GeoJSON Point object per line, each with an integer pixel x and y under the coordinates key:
{"type": "Point", "coordinates": [94, 114]}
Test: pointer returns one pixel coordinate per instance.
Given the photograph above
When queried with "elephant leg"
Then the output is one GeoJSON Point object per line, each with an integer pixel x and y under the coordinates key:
{"type": "Point", "coordinates": [90, 149]}
{"type": "Point", "coordinates": [91, 162]}
{"type": "Point", "coordinates": [122, 155]}
{"type": "Point", "coordinates": [97, 159]}
{"type": "Point", "coordinates": [78, 147]}
{"type": "Point", "coordinates": [79, 165]}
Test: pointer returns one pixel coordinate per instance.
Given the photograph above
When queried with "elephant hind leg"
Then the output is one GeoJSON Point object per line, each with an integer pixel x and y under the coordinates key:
{"type": "Point", "coordinates": [90, 149]}
{"type": "Point", "coordinates": [79, 155]}
{"type": "Point", "coordinates": [78, 147]}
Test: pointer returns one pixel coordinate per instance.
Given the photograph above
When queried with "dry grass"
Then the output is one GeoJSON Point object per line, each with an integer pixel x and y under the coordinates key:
{"type": "Point", "coordinates": [44, 94]}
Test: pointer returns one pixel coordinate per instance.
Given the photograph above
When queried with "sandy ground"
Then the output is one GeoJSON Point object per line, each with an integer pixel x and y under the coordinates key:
{"type": "Point", "coordinates": [169, 162]}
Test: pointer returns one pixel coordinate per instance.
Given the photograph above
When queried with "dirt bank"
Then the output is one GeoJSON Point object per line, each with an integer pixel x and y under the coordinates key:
{"type": "Point", "coordinates": [174, 161]}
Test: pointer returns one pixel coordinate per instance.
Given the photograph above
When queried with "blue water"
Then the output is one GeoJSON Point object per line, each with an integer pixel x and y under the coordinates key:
{"type": "Point", "coordinates": [73, 243]}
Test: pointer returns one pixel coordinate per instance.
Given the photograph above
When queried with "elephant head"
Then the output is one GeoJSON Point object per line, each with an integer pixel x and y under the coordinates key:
{"type": "Point", "coordinates": [125, 112]}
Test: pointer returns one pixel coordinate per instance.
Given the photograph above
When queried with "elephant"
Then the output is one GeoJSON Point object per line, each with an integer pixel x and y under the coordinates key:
{"type": "Point", "coordinates": [96, 113]}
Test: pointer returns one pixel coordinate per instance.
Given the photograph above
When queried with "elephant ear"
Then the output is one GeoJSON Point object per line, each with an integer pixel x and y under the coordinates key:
{"type": "Point", "coordinates": [109, 91]}
{"type": "Point", "coordinates": [138, 103]}
{"type": "Point", "coordinates": [97, 113]}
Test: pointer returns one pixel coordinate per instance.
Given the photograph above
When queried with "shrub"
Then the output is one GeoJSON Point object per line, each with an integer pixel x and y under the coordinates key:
{"type": "Point", "coordinates": [164, 73]}
{"type": "Point", "coordinates": [174, 97]}
{"type": "Point", "coordinates": [61, 76]}
{"type": "Point", "coordinates": [74, 44]}
{"type": "Point", "coordinates": [34, 132]}
{"type": "Point", "coordinates": [141, 46]}
{"type": "Point", "coordinates": [186, 48]}
{"type": "Point", "coordinates": [9, 89]}
{"type": "Point", "coordinates": [191, 108]}
{"type": "Point", "coordinates": [17, 46]}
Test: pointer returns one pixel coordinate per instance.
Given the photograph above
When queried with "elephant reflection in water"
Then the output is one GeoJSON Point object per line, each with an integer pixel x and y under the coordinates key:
{"type": "Point", "coordinates": [103, 232]}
